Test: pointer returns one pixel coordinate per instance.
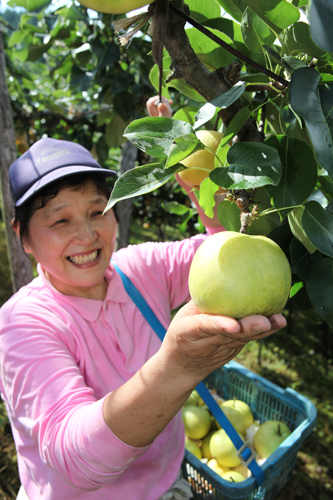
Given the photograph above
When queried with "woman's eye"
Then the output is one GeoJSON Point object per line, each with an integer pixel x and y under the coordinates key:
{"type": "Point", "coordinates": [60, 221]}
{"type": "Point", "coordinates": [98, 212]}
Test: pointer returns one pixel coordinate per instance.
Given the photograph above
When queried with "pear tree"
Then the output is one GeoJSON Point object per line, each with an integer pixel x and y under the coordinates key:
{"type": "Point", "coordinates": [260, 73]}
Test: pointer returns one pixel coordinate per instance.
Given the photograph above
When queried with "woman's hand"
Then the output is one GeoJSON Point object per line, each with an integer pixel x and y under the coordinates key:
{"type": "Point", "coordinates": [212, 225]}
{"type": "Point", "coordinates": [197, 344]}
{"type": "Point", "coordinates": [157, 108]}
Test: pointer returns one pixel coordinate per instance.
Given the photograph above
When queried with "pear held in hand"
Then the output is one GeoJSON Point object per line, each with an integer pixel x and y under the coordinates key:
{"type": "Point", "coordinates": [238, 275]}
{"type": "Point", "coordinates": [114, 6]}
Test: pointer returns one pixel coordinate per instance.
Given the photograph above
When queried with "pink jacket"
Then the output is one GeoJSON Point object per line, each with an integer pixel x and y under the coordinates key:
{"type": "Point", "coordinates": [61, 355]}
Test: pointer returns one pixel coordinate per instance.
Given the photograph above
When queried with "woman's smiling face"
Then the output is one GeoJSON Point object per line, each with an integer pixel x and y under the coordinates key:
{"type": "Point", "coordinates": [73, 241]}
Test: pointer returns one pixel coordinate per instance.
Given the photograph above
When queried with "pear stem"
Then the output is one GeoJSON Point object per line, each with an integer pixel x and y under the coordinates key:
{"type": "Point", "coordinates": [243, 199]}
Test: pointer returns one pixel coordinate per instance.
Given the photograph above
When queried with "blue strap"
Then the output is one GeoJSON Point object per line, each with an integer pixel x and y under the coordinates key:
{"type": "Point", "coordinates": [245, 453]}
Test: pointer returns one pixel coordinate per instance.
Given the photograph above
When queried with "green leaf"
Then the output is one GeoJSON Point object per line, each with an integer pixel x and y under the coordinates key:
{"type": "Point", "coordinates": [186, 114]}
{"type": "Point", "coordinates": [296, 225]}
{"type": "Point", "coordinates": [80, 78]}
{"type": "Point", "coordinates": [295, 288]}
{"type": "Point", "coordinates": [318, 225]}
{"type": "Point", "coordinates": [321, 15]}
{"type": "Point", "coordinates": [233, 7]}
{"type": "Point", "coordinates": [319, 285]}
{"type": "Point", "coordinates": [228, 214]}
{"type": "Point", "coordinates": [114, 131]}
{"type": "Point", "coordinates": [302, 302]}
{"type": "Point", "coordinates": [139, 181]}
{"type": "Point", "coordinates": [282, 235]}
{"type": "Point", "coordinates": [298, 40]}
{"type": "Point", "coordinates": [155, 135]}
{"type": "Point", "coordinates": [206, 199]}
{"type": "Point", "coordinates": [225, 100]}
{"type": "Point", "coordinates": [71, 12]}
{"type": "Point", "coordinates": [255, 31]}
{"type": "Point", "coordinates": [273, 54]}
{"type": "Point", "coordinates": [234, 127]}
{"type": "Point", "coordinates": [207, 111]}
{"type": "Point", "coordinates": [200, 11]}
{"type": "Point", "coordinates": [210, 53]}
{"type": "Point", "coordinates": [325, 184]}
{"type": "Point", "coordinates": [19, 37]}
{"type": "Point", "coordinates": [107, 54]}
{"type": "Point", "coordinates": [291, 63]}
{"type": "Point", "coordinates": [305, 101]}
{"type": "Point", "coordinates": [173, 207]}
{"type": "Point", "coordinates": [30, 5]}
{"type": "Point", "coordinates": [300, 258]}
{"type": "Point", "coordinates": [182, 147]}
{"type": "Point", "coordinates": [251, 165]}
{"type": "Point", "coordinates": [183, 225]}
{"type": "Point", "coordinates": [299, 172]}
{"type": "Point", "coordinates": [180, 85]}
{"type": "Point", "coordinates": [230, 28]}
{"type": "Point", "coordinates": [326, 101]}
{"type": "Point", "coordinates": [36, 51]}
{"type": "Point", "coordinates": [277, 14]}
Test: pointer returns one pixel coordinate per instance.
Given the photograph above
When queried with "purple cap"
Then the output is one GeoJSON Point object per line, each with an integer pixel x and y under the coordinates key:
{"type": "Point", "coordinates": [46, 161]}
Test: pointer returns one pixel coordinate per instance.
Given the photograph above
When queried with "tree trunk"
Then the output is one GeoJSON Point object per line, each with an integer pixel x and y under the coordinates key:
{"type": "Point", "coordinates": [124, 207]}
{"type": "Point", "coordinates": [20, 264]}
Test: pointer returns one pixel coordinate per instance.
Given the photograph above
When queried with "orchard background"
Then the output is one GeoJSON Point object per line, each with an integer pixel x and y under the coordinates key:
{"type": "Point", "coordinates": [259, 71]}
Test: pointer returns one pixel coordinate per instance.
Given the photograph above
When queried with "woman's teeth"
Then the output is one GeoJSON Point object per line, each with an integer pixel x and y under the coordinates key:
{"type": "Point", "coordinates": [84, 259]}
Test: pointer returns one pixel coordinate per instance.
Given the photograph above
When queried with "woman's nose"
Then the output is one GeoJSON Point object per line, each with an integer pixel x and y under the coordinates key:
{"type": "Point", "coordinates": [85, 232]}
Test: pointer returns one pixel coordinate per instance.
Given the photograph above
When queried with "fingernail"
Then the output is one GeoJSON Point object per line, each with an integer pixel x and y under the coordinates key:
{"type": "Point", "coordinates": [278, 324]}
{"type": "Point", "coordinates": [259, 329]}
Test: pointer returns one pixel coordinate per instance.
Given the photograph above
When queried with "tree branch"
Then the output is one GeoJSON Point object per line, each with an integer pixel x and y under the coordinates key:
{"type": "Point", "coordinates": [210, 84]}
{"type": "Point", "coordinates": [228, 47]}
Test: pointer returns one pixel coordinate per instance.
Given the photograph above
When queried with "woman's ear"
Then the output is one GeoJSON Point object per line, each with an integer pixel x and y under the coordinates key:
{"type": "Point", "coordinates": [16, 229]}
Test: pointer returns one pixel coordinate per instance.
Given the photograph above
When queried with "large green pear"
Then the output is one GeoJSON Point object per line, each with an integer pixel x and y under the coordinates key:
{"type": "Point", "coordinates": [238, 275]}
{"type": "Point", "coordinates": [114, 6]}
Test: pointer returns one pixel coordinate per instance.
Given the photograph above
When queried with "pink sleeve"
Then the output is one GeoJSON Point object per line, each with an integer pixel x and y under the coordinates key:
{"type": "Point", "coordinates": [50, 404]}
{"type": "Point", "coordinates": [160, 272]}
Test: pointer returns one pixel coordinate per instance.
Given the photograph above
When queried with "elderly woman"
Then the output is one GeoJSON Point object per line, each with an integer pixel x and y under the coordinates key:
{"type": "Point", "coordinates": [92, 394]}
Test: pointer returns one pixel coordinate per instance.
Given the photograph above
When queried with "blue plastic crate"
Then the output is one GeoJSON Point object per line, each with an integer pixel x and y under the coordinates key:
{"type": "Point", "coordinates": [267, 402]}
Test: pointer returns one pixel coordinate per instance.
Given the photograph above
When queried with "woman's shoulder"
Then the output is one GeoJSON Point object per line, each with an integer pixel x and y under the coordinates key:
{"type": "Point", "coordinates": [155, 260]}
{"type": "Point", "coordinates": [26, 298]}
{"type": "Point", "coordinates": [158, 248]}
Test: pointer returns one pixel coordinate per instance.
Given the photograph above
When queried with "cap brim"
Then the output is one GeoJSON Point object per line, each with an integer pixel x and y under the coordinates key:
{"type": "Point", "coordinates": [60, 173]}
